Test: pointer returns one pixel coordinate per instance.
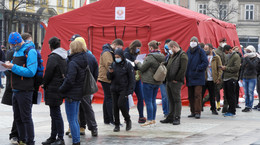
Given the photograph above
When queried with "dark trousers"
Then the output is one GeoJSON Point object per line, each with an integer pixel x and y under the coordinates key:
{"type": "Point", "coordinates": [107, 103]}
{"type": "Point", "coordinates": [237, 92]}
{"type": "Point", "coordinates": [218, 87]}
{"type": "Point", "coordinates": [119, 103]}
{"type": "Point", "coordinates": [194, 93]}
{"type": "Point", "coordinates": [57, 125]}
{"type": "Point", "coordinates": [229, 90]}
{"type": "Point", "coordinates": [210, 85]}
{"type": "Point", "coordinates": [22, 107]}
{"type": "Point", "coordinates": [86, 114]}
{"type": "Point", "coordinates": [14, 131]}
{"type": "Point", "coordinates": [140, 97]}
{"type": "Point", "coordinates": [258, 90]}
{"type": "Point", "coordinates": [174, 98]}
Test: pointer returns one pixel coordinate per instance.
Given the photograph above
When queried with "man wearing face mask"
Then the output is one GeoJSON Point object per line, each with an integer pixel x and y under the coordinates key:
{"type": "Point", "coordinates": [121, 74]}
{"type": "Point", "coordinates": [195, 76]}
{"type": "Point", "coordinates": [106, 59]}
{"type": "Point", "coordinates": [230, 76]}
{"type": "Point", "coordinates": [213, 77]}
{"type": "Point", "coordinates": [23, 68]}
{"type": "Point", "coordinates": [176, 68]}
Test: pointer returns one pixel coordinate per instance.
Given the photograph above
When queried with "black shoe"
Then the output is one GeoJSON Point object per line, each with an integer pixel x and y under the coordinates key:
{"type": "Point", "coordinates": [238, 106]}
{"type": "Point", "coordinates": [128, 125]}
{"type": "Point", "coordinates": [117, 128]}
{"type": "Point", "coordinates": [78, 143]}
{"type": "Point", "coordinates": [166, 121]}
{"type": "Point", "coordinates": [49, 141]}
{"type": "Point", "coordinates": [94, 132]}
{"type": "Point", "coordinates": [2, 86]}
{"type": "Point", "coordinates": [176, 121]}
{"type": "Point", "coordinates": [247, 110]}
{"type": "Point", "coordinates": [219, 109]}
{"type": "Point", "coordinates": [256, 107]}
{"type": "Point", "coordinates": [197, 116]}
{"type": "Point", "coordinates": [192, 115]}
{"type": "Point", "coordinates": [214, 112]}
{"type": "Point", "coordinates": [58, 142]}
{"type": "Point", "coordinates": [224, 110]}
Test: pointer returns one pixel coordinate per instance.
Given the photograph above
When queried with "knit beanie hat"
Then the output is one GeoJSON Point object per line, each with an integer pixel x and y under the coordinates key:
{"type": "Point", "coordinates": [194, 39]}
{"type": "Point", "coordinates": [15, 38]}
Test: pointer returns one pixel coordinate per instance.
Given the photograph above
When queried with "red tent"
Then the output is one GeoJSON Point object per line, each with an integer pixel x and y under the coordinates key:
{"type": "Point", "coordinates": [103, 21]}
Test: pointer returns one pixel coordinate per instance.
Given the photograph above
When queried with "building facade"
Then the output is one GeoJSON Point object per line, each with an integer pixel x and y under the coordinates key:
{"type": "Point", "coordinates": [31, 17]}
{"type": "Point", "coordinates": [244, 13]}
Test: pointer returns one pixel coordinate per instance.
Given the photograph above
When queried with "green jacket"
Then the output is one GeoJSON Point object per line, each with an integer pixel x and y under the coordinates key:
{"type": "Point", "coordinates": [149, 67]}
{"type": "Point", "coordinates": [232, 67]}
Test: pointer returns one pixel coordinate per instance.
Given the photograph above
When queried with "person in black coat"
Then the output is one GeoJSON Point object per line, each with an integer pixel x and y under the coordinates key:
{"type": "Point", "coordinates": [121, 74]}
{"type": "Point", "coordinates": [7, 97]}
{"type": "Point", "coordinates": [72, 86]}
{"type": "Point", "coordinates": [53, 78]}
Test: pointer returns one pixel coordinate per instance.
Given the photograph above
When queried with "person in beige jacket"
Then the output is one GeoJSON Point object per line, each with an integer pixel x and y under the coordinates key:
{"type": "Point", "coordinates": [213, 76]}
{"type": "Point", "coordinates": [106, 59]}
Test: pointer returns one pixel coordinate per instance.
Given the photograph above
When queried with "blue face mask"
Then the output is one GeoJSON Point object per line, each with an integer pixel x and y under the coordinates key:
{"type": "Point", "coordinates": [166, 47]}
{"type": "Point", "coordinates": [137, 50]}
{"type": "Point", "coordinates": [118, 60]}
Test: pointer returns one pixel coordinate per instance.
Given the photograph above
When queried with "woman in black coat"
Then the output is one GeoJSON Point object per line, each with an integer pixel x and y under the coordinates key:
{"type": "Point", "coordinates": [122, 79]}
{"type": "Point", "coordinates": [53, 79]}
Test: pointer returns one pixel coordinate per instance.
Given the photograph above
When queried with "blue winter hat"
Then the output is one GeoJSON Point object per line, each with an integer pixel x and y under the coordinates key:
{"type": "Point", "coordinates": [15, 38]}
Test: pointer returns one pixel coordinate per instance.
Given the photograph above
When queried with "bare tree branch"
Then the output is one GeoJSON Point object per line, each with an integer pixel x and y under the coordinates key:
{"type": "Point", "coordinates": [2, 3]}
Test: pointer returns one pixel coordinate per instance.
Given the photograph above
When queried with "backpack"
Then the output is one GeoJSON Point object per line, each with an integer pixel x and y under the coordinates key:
{"type": "Point", "coordinates": [160, 73]}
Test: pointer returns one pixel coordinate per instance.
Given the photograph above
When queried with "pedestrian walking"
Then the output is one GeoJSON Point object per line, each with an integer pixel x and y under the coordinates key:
{"type": "Point", "coordinates": [131, 53]}
{"type": "Point", "coordinates": [106, 59]}
{"type": "Point", "coordinates": [72, 86]}
{"type": "Point", "coordinates": [195, 76]}
{"type": "Point", "coordinates": [53, 79]}
{"type": "Point", "coordinates": [249, 76]}
{"type": "Point", "coordinates": [176, 69]}
{"type": "Point", "coordinates": [23, 69]}
{"type": "Point", "coordinates": [121, 74]}
{"type": "Point", "coordinates": [230, 76]}
{"type": "Point", "coordinates": [150, 85]}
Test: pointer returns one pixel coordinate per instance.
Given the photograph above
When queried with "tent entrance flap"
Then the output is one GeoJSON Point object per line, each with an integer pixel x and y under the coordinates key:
{"type": "Point", "coordinates": [99, 36]}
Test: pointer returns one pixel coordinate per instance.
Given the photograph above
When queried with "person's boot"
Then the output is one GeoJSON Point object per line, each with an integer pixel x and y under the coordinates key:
{"type": "Point", "coordinates": [128, 125]}
{"type": "Point", "coordinates": [94, 132]}
{"type": "Point", "coordinates": [224, 109]}
{"type": "Point", "coordinates": [58, 142]}
{"type": "Point", "coordinates": [68, 132]}
{"type": "Point", "coordinates": [117, 128]}
{"type": "Point", "coordinates": [192, 115]}
{"type": "Point", "coordinates": [78, 143]}
{"type": "Point", "coordinates": [49, 141]}
{"type": "Point", "coordinates": [214, 112]}
{"type": "Point", "coordinates": [197, 116]}
{"type": "Point", "coordinates": [82, 131]}
{"type": "Point", "coordinates": [167, 120]}
{"type": "Point", "coordinates": [176, 121]}
{"type": "Point", "coordinates": [218, 106]}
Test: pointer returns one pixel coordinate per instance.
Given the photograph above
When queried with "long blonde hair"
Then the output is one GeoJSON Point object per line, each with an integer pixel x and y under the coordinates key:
{"type": "Point", "coordinates": [76, 47]}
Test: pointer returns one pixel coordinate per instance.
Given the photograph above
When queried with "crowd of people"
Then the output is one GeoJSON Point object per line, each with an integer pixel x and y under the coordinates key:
{"type": "Point", "coordinates": [202, 67]}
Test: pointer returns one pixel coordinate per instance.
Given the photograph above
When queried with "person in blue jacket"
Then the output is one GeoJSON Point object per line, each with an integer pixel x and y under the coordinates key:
{"type": "Point", "coordinates": [195, 76]}
{"type": "Point", "coordinates": [23, 69]}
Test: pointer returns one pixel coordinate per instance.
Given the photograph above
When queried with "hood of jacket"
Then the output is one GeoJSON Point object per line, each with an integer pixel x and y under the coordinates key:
{"type": "Point", "coordinates": [120, 52]}
{"type": "Point", "coordinates": [80, 59]}
{"type": "Point", "coordinates": [61, 52]}
{"type": "Point", "coordinates": [107, 47]}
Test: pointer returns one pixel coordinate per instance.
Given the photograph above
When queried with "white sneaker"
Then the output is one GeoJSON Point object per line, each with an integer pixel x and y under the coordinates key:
{"type": "Point", "coordinates": [14, 140]}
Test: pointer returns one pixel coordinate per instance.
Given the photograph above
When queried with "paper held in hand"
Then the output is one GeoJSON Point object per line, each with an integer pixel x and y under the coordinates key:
{"type": "Point", "coordinates": [2, 68]}
{"type": "Point", "coordinates": [140, 57]}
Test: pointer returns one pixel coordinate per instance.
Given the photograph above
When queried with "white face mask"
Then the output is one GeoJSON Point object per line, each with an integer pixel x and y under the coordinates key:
{"type": "Point", "coordinates": [170, 51]}
{"type": "Point", "coordinates": [193, 44]}
{"type": "Point", "coordinates": [223, 44]}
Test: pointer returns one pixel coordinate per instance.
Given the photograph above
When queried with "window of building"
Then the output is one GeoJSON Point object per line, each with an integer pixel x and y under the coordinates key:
{"type": "Point", "coordinates": [70, 3]}
{"type": "Point", "coordinates": [43, 1]}
{"type": "Point", "coordinates": [222, 11]}
{"type": "Point", "coordinates": [245, 41]}
{"type": "Point", "coordinates": [59, 2]}
{"type": "Point", "coordinates": [249, 12]}
{"type": "Point", "coordinates": [203, 8]}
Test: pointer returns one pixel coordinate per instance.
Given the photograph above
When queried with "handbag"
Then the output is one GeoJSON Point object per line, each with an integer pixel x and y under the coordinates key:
{"type": "Point", "coordinates": [160, 73]}
{"type": "Point", "coordinates": [90, 85]}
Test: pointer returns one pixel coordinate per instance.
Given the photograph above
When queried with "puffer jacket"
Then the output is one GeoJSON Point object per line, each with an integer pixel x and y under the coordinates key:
{"type": "Point", "coordinates": [54, 76]}
{"type": "Point", "coordinates": [249, 68]}
{"type": "Point", "coordinates": [122, 78]}
{"type": "Point", "coordinates": [72, 86]}
{"type": "Point", "coordinates": [149, 67]}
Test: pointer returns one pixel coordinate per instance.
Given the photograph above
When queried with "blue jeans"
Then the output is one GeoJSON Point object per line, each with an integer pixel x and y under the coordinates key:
{"type": "Point", "coordinates": [249, 87]}
{"type": "Point", "coordinates": [72, 110]}
{"type": "Point", "coordinates": [139, 93]}
{"type": "Point", "coordinates": [150, 93]}
{"type": "Point", "coordinates": [165, 103]}
{"type": "Point", "coordinates": [22, 107]}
